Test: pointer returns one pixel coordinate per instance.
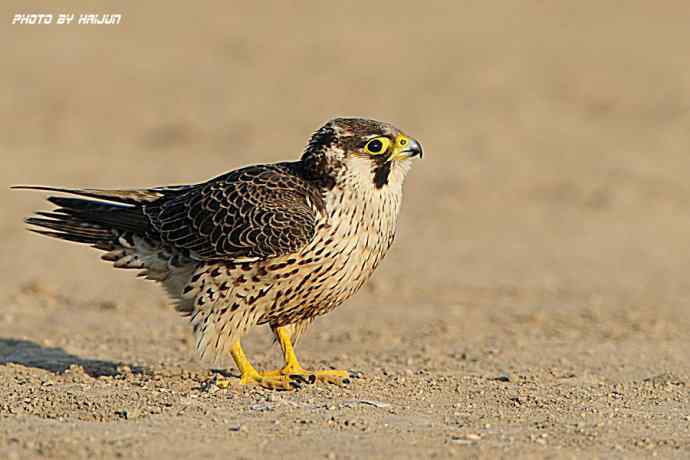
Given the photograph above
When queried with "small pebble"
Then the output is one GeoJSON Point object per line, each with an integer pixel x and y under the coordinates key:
{"type": "Point", "coordinates": [504, 377]}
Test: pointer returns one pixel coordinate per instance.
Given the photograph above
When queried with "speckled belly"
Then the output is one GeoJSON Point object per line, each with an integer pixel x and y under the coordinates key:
{"type": "Point", "coordinates": [347, 248]}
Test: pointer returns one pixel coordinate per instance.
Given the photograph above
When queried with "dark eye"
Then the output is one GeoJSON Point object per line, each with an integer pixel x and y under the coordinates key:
{"type": "Point", "coordinates": [377, 145]}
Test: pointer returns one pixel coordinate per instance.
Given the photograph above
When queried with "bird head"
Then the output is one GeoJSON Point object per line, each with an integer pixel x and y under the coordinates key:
{"type": "Point", "coordinates": [368, 152]}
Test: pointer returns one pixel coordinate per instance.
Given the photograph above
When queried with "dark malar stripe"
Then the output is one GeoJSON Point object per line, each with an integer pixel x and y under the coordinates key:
{"type": "Point", "coordinates": [381, 173]}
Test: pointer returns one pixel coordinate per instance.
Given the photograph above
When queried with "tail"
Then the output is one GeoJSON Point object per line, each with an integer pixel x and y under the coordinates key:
{"type": "Point", "coordinates": [98, 222]}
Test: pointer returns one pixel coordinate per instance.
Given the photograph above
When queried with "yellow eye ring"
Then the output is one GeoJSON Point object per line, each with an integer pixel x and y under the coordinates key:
{"type": "Point", "coordinates": [377, 146]}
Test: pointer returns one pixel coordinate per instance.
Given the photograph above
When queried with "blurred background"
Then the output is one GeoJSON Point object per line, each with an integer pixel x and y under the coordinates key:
{"type": "Point", "coordinates": [556, 133]}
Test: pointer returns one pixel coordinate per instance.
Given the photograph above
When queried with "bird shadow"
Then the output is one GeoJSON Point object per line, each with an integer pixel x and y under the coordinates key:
{"type": "Point", "coordinates": [57, 360]}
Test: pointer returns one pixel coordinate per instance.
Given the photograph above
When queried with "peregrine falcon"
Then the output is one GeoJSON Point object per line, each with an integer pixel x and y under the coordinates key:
{"type": "Point", "coordinates": [275, 244]}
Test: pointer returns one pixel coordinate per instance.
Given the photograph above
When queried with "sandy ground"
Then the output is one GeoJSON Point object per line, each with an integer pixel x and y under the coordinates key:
{"type": "Point", "coordinates": [535, 304]}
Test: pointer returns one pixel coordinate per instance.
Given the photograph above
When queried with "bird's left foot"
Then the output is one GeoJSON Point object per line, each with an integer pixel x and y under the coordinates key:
{"type": "Point", "coordinates": [269, 382]}
{"type": "Point", "coordinates": [294, 369]}
{"type": "Point", "coordinates": [334, 376]}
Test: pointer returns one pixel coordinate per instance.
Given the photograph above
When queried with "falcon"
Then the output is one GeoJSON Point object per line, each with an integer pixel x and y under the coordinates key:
{"type": "Point", "coordinates": [276, 244]}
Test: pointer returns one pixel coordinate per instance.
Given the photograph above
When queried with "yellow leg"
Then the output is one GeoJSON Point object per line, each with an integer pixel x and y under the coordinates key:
{"type": "Point", "coordinates": [294, 369]}
{"type": "Point", "coordinates": [250, 376]}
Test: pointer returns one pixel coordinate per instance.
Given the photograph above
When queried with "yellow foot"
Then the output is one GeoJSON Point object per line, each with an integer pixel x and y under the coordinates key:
{"type": "Point", "coordinates": [337, 377]}
{"type": "Point", "coordinates": [273, 382]}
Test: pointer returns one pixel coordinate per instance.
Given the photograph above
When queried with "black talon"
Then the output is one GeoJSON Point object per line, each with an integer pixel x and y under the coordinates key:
{"type": "Point", "coordinates": [308, 379]}
{"type": "Point", "coordinates": [298, 378]}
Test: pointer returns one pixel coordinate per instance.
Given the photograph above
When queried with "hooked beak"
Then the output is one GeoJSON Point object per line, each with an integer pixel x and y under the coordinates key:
{"type": "Point", "coordinates": [405, 147]}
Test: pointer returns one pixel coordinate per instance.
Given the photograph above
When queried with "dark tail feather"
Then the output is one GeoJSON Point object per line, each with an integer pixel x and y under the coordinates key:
{"type": "Point", "coordinates": [88, 221]}
{"type": "Point", "coordinates": [72, 233]}
{"type": "Point", "coordinates": [132, 197]}
{"type": "Point", "coordinates": [114, 216]}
